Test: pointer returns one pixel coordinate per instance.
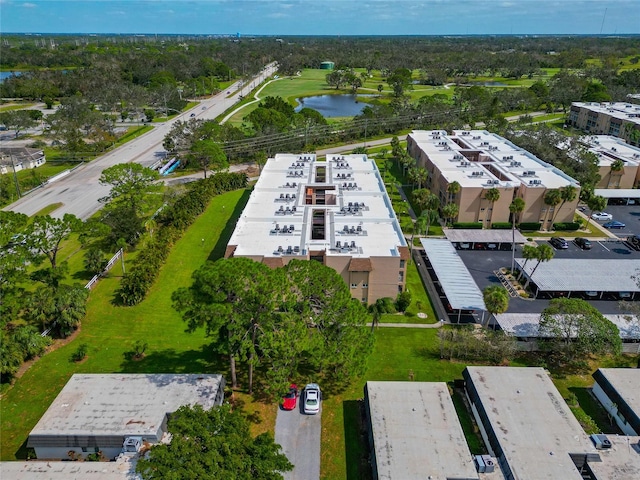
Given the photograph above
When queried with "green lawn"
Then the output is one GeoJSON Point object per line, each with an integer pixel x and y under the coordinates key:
{"type": "Point", "coordinates": [111, 331]}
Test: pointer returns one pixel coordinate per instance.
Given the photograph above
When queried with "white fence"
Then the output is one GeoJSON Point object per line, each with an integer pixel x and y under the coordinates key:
{"type": "Point", "coordinates": [95, 278]}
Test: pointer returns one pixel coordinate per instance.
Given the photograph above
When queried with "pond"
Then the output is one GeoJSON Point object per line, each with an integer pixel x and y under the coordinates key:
{"type": "Point", "coordinates": [4, 75]}
{"type": "Point", "coordinates": [332, 105]}
{"type": "Point", "coordinates": [490, 84]}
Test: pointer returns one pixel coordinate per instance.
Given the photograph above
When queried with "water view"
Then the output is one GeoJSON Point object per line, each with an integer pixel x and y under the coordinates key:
{"type": "Point", "coordinates": [332, 105]}
{"type": "Point", "coordinates": [4, 75]}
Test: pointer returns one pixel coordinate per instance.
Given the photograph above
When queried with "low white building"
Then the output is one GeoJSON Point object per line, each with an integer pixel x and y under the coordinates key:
{"type": "Point", "coordinates": [618, 390]}
{"type": "Point", "coordinates": [20, 158]}
{"type": "Point", "coordinates": [97, 413]}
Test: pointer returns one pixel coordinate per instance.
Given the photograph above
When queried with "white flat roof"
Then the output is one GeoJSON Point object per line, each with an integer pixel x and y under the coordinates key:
{"type": "Point", "coordinates": [485, 235]}
{"type": "Point", "coordinates": [458, 284]}
{"type": "Point", "coordinates": [574, 274]}
{"type": "Point", "coordinates": [416, 432]}
{"type": "Point", "coordinates": [35, 470]}
{"type": "Point", "coordinates": [533, 425]}
{"type": "Point", "coordinates": [628, 112]}
{"type": "Point", "coordinates": [516, 166]}
{"type": "Point", "coordinates": [609, 148]}
{"type": "Point", "coordinates": [526, 325]}
{"type": "Point", "coordinates": [124, 404]}
{"type": "Point", "coordinates": [365, 210]}
{"type": "Point", "coordinates": [626, 382]}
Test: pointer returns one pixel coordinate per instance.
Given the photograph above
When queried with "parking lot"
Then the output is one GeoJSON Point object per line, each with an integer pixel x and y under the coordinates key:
{"type": "Point", "coordinates": [627, 214]}
{"type": "Point", "coordinates": [482, 264]}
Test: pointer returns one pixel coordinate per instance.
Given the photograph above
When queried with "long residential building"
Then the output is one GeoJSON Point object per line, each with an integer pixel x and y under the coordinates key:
{"type": "Point", "coordinates": [618, 162]}
{"type": "Point", "coordinates": [335, 211]}
{"type": "Point", "coordinates": [479, 161]}
{"type": "Point", "coordinates": [619, 119]}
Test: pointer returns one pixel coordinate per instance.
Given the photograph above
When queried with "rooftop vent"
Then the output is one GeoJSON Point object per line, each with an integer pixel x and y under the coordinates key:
{"type": "Point", "coordinates": [600, 441]}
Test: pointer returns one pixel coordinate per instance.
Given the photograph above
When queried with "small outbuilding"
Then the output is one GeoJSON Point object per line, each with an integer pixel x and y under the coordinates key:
{"type": "Point", "coordinates": [114, 413]}
{"type": "Point", "coordinates": [327, 65]}
{"type": "Point", "coordinates": [618, 390]}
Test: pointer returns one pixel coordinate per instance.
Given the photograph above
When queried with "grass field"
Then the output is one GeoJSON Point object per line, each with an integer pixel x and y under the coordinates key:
{"type": "Point", "coordinates": [111, 331]}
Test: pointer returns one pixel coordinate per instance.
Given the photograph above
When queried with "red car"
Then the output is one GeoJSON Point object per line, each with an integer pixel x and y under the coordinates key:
{"type": "Point", "coordinates": [291, 398]}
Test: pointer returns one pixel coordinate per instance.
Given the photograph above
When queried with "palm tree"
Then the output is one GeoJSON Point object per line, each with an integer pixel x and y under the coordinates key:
{"type": "Point", "coordinates": [551, 199]}
{"type": "Point", "coordinates": [453, 189]}
{"type": "Point", "coordinates": [432, 202]}
{"type": "Point", "coordinates": [515, 208]}
{"type": "Point", "coordinates": [450, 211]}
{"type": "Point", "coordinates": [529, 252]}
{"type": "Point", "coordinates": [493, 195]}
{"type": "Point", "coordinates": [595, 203]}
{"type": "Point", "coordinates": [567, 194]}
{"type": "Point", "coordinates": [421, 176]}
{"type": "Point", "coordinates": [544, 253]}
{"type": "Point", "coordinates": [496, 299]}
{"type": "Point", "coordinates": [406, 161]}
{"type": "Point", "coordinates": [617, 167]}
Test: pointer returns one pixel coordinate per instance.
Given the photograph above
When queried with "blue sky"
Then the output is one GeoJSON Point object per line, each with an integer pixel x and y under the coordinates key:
{"type": "Point", "coordinates": [322, 17]}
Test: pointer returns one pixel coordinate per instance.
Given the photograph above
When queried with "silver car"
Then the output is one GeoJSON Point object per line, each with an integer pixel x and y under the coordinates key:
{"type": "Point", "coordinates": [312, 397]}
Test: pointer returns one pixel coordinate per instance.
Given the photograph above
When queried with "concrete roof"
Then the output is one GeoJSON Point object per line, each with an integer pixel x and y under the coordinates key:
{"type": "Point", "coordinates": [380, 234]}
{"type": "Point", "coordinates": [621, 461]}
{"type": "Point", "coordinates": [482, 235]}
{"type": "Point", "coordinates": [416, 432]}
{"type": "Point", "coordinates": [516, 166]}
{"type": "Point", "coordinates": [34, 470]}
{"type": "Point", "coordinates": [458, 284]}
{"type": "Point", "coordinates": [626, 381]}
{"type": "Point", "coordinates": [123, 404]}
{"type": "Point", "coordinates": [573, 274]}
{"type": "Point", "coordinates": [534, 426]}
{"type": "Point", "coordinates": [526, 325]}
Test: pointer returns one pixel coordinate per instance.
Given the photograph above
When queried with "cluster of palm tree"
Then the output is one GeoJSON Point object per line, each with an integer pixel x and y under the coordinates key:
{"type": "Point", "coordinates": [541, 253]}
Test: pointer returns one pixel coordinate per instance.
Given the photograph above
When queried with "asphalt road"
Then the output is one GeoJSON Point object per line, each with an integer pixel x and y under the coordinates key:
{"type": "Point", "coordinates": [78, 192]}
{"type": "Point", "coordinates": [299, 436]}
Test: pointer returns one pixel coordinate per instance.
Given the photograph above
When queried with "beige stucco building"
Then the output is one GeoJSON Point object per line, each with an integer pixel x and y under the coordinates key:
{"type": "Point", "coordinates": [480, 161]}
{"type": "Point", "coordinates": [619, 119]}
{"type": "Point", "coordinates": [336, 212]}
{"type": "Point", "coordinates": [610, 150]}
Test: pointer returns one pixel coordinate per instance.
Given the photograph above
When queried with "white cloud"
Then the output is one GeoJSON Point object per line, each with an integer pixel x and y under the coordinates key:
{"type": "Point", "coordinates": [29, 5]}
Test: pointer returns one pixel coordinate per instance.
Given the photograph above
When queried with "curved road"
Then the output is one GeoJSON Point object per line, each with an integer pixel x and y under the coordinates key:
{"type": "Point", "coordinates": [79, 191]}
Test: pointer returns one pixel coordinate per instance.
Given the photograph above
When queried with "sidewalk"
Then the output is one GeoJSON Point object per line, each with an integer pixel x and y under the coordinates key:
{"type": "Point", "coordinates": [409, 325]}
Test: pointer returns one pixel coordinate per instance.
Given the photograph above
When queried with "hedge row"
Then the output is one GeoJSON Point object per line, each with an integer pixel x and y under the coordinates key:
{"type": "Point", "coordinates": [501, 226]}
{"type": "Point", "coordinates": [530, 226]}
{"type": "Point", "coordinates": [472, 225]}
{"type": "Point", "coordinates": [172, 222]}
{"type": "Point", "coordinates": [570, 226]}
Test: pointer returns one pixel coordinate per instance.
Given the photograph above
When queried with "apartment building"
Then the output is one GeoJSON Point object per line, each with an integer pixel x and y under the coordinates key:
{"type": "Point", "coordinates": [619, 119]}
{"type": "Point", "coordinates": [618, 162]}
{"type": "Point", "coordinates": [479, 161]}
{"type": "Point", "coordinates": [334, 211]}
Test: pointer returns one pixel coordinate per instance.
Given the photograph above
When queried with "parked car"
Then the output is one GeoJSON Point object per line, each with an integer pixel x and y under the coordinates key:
{"type": "Point", "coordinates": [614, 224]}
{"type": "Point", "coordinates": [192, 115]}
{"type": "Point", "coordinates": [583, 243]}
{"type": "Point", "coordinates": [602, 216]}
{"type": "Point", "coordinates": [290, 399]}
{"type": "Point", "coordinates": [559, 242]}
{"type": "Point", "coordinates": [312, 397]}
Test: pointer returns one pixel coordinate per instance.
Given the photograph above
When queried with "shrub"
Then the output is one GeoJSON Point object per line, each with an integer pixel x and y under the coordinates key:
{"type": "Point", "coordinates": [530, 226]}
{"type": "Point", "coordinates": [80, 353]}
{"type": "Point", "coordinates": [501, 226]}
{"type": "Point", "coordinates": [473, 225]}
{"type": "Point", "coordinates": [173, 220]}
{"type": "Point", "coordinates": [566, 226]}
{"type": "Point", "coordinates": [403, 300]}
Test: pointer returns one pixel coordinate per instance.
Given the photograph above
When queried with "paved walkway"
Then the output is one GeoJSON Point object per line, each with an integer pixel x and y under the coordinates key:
{"type": "Point", "coordinates": [410, 325]}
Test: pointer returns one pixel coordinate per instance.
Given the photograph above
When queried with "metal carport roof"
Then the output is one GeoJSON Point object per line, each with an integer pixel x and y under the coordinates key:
{"type": "Point", "coordinates": [617, 192]}
{"type": "Point", "coordinates": [482, 235]}
{"type": "Point", "coordinates": [457, 283]}
{"type": "Point", "coordinates": [584, 275]}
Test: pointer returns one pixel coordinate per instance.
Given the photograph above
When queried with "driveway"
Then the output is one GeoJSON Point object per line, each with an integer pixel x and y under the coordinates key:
{"type": "Point", "coordinates": [299, 436]}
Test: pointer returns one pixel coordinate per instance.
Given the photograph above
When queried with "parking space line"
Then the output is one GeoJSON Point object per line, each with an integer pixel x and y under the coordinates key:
{"type": "Point", "coordinates": [604, 246]}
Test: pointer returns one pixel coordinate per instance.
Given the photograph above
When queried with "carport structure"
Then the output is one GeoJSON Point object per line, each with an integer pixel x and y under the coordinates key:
{"type": "Point", "coordinates": [476, 239]}
{"type": "Point", "coordinates": [624, 195]}
{"type": "Point", "coordinates": [448, 271]}
{"type": "Point", "coordinates": [590, 278]}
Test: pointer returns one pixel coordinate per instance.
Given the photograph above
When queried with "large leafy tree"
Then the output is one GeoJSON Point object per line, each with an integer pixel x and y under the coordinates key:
{"type": "Point", "coordinates": [18, 120]}
{"type": "Point", "coordinates": [131, 183]}
{"type": "Point", "coordinates": [573, 329]}
{"type": "Point", "coordinates": [213, 444]}
{"type": "Point", "coordinates": [207, 154]}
